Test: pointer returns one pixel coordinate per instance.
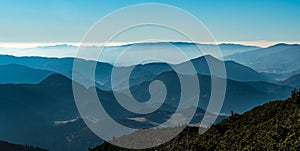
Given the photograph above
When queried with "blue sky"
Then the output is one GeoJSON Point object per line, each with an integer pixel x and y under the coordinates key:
{"type": "Point", "coordinates": [60, 21]}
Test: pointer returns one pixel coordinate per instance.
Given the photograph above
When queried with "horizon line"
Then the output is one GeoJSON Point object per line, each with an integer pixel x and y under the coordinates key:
{"type": "Point", "coordinates": [24, 45]}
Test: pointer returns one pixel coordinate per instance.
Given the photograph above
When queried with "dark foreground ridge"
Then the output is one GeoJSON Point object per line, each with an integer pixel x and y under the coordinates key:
{"type": "Point", "coordinates": [5, 146]}
{"type": "Point", "coordinates": [272, 126]}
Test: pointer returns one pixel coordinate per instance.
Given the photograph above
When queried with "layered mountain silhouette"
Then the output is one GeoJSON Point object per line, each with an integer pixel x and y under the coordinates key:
{"type": "Point", "coordinates": [111, 52]}
{"type": "Point", "coordinates": [277, 62]}
{"type": "Point", "coordinates": [17, 74]}
{"type": "Point", "coordinates": [293, 81]}
{"type": "Point", "coordinates": [48, 117]}
{"type": "Point", "coordinates": [38, 106]}
{"type": "Point", "coordinates": [281, 59]}
{"type": "Point", "coordinates": [103, 71]}
{"type": "Point", "coordinates": [43, 115]}
{"type": "Point", "coordinates": [240, 96]}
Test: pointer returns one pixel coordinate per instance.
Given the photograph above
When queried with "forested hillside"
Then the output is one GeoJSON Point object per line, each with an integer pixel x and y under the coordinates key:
{"type": "Point", "coordinates": [272, 126]}
{"type": "Point", "coordinates": [5, 146]}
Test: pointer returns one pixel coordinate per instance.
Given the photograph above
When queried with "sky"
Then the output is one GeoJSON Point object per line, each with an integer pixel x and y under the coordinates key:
{"type": "Point", "coordinates": [67, 21]}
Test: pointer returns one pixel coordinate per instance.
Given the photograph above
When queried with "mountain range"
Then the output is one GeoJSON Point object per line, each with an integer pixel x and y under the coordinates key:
{"type": "Point", "coordinates": [36, 93]}
{"type": "Point", "coordinates": [43, 115]}
{"type": "Point", "coordinates": [103, 71]}
{"type": "Point", "coordinates": [18, 74]}
{"type": "Point", "coordinates": [111, 52]}
{"type": "Point", "coordinates": [57, 124]}
{"type": "Point", "coordinates": [277, 62]}
{"type": "Point", "coordinates": [280, 61]}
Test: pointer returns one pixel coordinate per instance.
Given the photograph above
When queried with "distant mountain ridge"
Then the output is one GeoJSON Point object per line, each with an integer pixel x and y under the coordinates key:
{"type": "Point", "coordinates": [19, 74]}
{"type": "Point", "coordinates": [239, 95]}
{"type": "Point", "coordinates": [278, 59]}
{"type": "Point", "coordinates": [64, 66]}
{"type": "Point", "coordinates": [68, 50]}
{"type": "Point", "coordinates": [293, 81]}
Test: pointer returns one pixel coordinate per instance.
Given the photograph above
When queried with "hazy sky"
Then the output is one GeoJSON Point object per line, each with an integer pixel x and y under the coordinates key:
{"type": "Point", "coordinates": [60, 21]}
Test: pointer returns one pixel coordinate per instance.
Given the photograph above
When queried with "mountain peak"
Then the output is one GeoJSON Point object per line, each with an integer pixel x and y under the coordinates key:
{"type": "Point", "coordinates": [55, 79]}
{"type": "Point", "coordinates": [283, 45]}
{"type": "Point", "coordinates": [57, 46]}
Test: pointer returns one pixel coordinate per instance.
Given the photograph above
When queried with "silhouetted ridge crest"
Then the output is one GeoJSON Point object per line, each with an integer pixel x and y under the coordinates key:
{"type": "Point", "coordinates": [55, 79]}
